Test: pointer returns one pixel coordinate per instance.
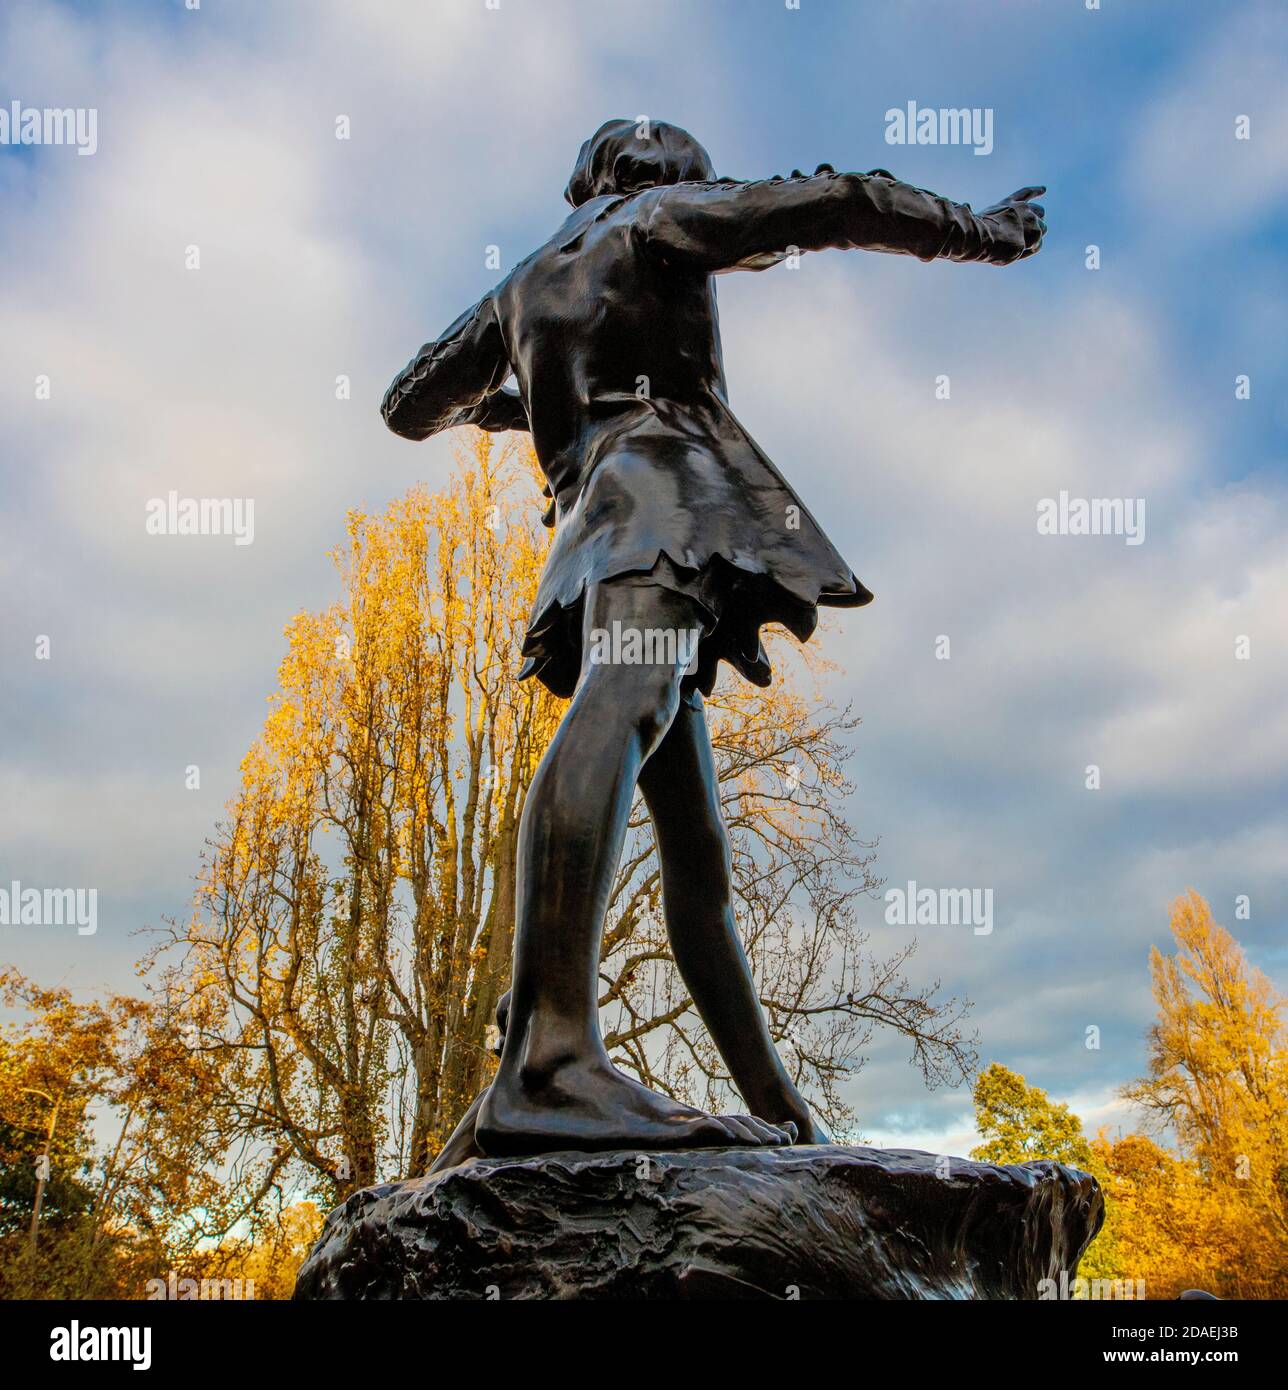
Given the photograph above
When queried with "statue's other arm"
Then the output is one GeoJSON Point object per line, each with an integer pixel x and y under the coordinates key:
{"type": "Point", "coordinates": [456, 380]}
{"type": "Point", "coordinates": [749, 226]}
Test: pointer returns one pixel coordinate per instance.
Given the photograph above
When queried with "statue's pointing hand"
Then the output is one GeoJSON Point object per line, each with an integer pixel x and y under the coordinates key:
{"type": "Point", "coordinates": [1018, 225]}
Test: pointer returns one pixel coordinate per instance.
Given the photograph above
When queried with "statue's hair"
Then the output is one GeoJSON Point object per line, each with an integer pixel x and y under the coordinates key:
{"type": "Point", "coordinates": [624, 156]}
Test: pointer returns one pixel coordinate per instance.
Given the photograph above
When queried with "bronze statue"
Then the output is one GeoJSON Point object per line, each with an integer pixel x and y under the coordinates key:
{"type": "Point", "coordinates": [672, 528]}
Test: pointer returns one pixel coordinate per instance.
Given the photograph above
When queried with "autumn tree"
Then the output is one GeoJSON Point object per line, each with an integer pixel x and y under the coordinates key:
{"type": "Point", "coordinates": [1166, 1227]}
{"type": "Point", "coordinates": [1217, 1082]}
{"type": "Point", "coordinates": [1209, 1211]}
{"type": "Point", "coordinates": [90, 1203]}
{"type": "Point", "coordinates": [111, 1176]}
{"type": "Point", "coordinates": [262, 1266]}
{"type": "Point", "coordinates": [49, 1067]}
{"type": "Point", "coordinates": [1165, 1224]}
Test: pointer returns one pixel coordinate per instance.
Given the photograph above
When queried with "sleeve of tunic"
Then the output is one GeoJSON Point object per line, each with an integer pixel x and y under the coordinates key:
{"type": "Point", "coordinates": [449, 377]}
{"type": "Point", "coordinates": [749, 226]}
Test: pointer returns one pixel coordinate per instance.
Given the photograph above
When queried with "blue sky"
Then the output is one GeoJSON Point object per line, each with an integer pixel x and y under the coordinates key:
{"type": "Point", "coordinates": [319, 257]}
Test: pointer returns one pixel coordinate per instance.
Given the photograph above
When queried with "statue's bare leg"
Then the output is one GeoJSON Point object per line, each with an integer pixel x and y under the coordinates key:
{"type": "Point", "coordinates": [462, 1145]}
{"type": "Point", "coordinates": [556, 1087]}
{"type": "Point", "coordinates": [682, 790]}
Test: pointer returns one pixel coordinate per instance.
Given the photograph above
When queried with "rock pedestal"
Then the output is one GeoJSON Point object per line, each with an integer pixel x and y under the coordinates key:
{"type": "Point", "coordinates": [803, 1222]}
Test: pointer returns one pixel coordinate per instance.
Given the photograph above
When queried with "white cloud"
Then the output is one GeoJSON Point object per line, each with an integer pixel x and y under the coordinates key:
{"type": "Point", "coordinates": [1185, 169]}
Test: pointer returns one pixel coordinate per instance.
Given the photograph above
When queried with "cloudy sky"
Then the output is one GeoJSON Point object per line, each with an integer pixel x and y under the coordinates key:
{"type": "Point", "coordinates": [216, 128]}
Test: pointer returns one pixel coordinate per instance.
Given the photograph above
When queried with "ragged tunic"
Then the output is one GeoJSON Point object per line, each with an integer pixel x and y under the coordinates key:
{"type": "Point", "coordinates": [611, 332]}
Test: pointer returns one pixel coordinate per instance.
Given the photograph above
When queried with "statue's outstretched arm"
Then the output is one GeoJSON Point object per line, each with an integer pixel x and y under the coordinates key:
{"type": "Point", "coordinates": [456, 380]}
{"type": "Point", "coordinates": [749, 226]}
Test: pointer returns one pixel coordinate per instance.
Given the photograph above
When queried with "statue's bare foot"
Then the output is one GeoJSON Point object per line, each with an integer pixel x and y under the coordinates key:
{"type": "Point", "coordinates": [591, 1105]}
{"type": "Point", "coordinates": [790, 1108]}
{"type": "Point", "coordinates": [808, 1129]}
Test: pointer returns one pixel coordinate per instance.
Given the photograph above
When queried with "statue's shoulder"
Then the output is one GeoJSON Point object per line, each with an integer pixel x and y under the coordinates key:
{"type": "Point", "coordinates": [587, 225]}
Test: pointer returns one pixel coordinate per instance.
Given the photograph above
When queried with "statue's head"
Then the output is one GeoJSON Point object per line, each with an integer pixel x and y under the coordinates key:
{"type": "Point", "coordinates": [625, 156]}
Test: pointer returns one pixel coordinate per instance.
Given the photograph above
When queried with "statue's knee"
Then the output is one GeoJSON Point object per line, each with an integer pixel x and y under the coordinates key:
{"type": "Point", "coordinates": [631, 699]}
{"type": "Point", "coordinates": [655, 710]}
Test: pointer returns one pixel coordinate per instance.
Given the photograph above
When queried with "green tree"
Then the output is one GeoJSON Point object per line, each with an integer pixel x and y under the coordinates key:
{"type": "Point", "coordinates": [1019, 1122]}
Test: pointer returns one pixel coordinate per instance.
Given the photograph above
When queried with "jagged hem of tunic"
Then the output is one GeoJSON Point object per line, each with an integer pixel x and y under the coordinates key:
{"type": "Point", "coordinates": [737, 601]}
